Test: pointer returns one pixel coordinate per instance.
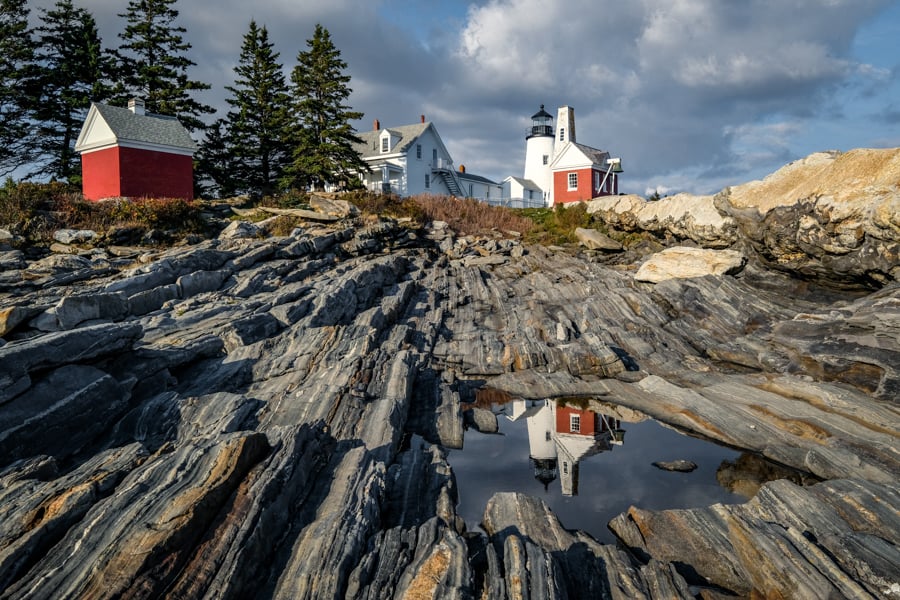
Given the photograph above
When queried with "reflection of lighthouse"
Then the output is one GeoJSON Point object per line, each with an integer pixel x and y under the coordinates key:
{"type": "Point", "coordinates": [538, 416]}
{"type": "Point", "coordinates": [560, 437]}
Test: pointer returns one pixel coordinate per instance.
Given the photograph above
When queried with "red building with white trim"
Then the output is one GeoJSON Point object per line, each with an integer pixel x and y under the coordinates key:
{"type": "Point", "coordinates": [126, 152]}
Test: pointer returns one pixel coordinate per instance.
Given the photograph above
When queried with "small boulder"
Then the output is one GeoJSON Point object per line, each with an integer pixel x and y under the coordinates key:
{"type": "Point", "coordinates": [332, 206]}
{"type": "Point", "coordinates": [683, 263]}
{"type": "Point", "coordinates": [482, 420]}
{"type": "Point", "coordinates": [240, 230]}
{"type": "Point", "coordinates": [594, 240]}
{"type": "Point", "coordinates": [74, 236]}
{"type": "Point", "coordinates": [680, 466]}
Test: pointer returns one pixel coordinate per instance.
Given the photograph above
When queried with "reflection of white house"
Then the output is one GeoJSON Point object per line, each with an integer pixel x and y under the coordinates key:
{"type": "Point", "coordinates": [560, 437]}
{"type": "Point", "coordinates": [412, 159]}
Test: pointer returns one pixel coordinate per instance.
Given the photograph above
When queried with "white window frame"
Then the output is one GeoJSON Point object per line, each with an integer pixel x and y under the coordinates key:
{"type": "Point", "coordinates": [385, 144]}
{"type": "Point", "coordinates": [572, 176]}
{"type": "Point", "coordinates": [575, 423]}
{"type": "Point", "coordinates": [419, 151]}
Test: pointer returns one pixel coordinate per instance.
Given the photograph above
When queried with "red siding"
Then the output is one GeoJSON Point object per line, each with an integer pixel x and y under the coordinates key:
{"type": "Point", "coordinates": [156, 174]}
{"type": "Point", "coordinates": [564, 420]}
{"type": "Point", "coordinates": [137, 173]}
{"type": "Point", "coordinates": [588, 185]}
{"type": "Point", "coordinates": [100, 174]}
{"type": "Point", "coordinates": [561, 191]}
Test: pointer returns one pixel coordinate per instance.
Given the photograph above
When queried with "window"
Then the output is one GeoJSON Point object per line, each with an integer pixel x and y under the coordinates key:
{"type": "Point", "coordinates": [419, 151]}
{"type": "Point", "coordinates": [531, 194]}
{"type": "Point", "coordinates": [573, 181]}
{"type": "Point", "coordinates": [575, 423]}
{"type": "Point", "coordinates": [548, 438]}
{"type": "Point", "coordinates": [562, 134]}
{"type": "Point", "coordinates": [385, 144]}
{"type": "Point", "coordinates": [545, 159]}
{"type": "Point", "coordinates": [434, 155]}
{"type": "Point", "coordinates": [427, 181]}
{"type": "Point", "coordinates": [487, 195]}
{"type": "Point", "coordinates": [470, 191]}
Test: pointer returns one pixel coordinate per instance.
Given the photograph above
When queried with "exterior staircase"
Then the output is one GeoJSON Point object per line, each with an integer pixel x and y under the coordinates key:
{"type": "Point", "coordinates": [450, 178]}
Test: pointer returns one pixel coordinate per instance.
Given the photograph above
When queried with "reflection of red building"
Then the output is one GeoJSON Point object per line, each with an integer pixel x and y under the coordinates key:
{"type": "Point", "coordinates": [560, 436]}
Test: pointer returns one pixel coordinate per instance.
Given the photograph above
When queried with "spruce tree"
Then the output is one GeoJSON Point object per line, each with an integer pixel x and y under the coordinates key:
{"type": "Point", "coordinates": [71, 72]}
{"type": "Point", "coordinates": [215, 163]}
{"type": "Point", "coordinates": [16, 60]}
{"type": "Point", "coordinates": [257, 125]}
{"type": "Point", "coordinates": [323, 137]}
{"type": "Point", "coordinates": [152, 64]}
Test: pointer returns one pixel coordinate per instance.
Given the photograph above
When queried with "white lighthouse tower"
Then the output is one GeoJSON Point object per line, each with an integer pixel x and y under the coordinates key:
{"type": "Point", "coordinates": [539, 150]}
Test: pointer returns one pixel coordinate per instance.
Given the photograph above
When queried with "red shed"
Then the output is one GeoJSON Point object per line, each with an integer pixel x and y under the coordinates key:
{"type": "Point", "coordinates": [126, 152]}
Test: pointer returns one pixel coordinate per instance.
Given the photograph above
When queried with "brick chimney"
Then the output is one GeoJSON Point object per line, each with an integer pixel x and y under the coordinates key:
{"type": "Point", "coordinates": [462, 168]}
{"type": "Point", "coordinates": [422, 117]}
{"type": "Point", "coordinates": [376, 125]}
{"type": "Point", "coordinates": [136, 105]}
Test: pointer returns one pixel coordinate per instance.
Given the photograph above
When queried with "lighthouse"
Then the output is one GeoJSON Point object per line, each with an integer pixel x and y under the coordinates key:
{"type": "Point", "coordinates": [539, 150]}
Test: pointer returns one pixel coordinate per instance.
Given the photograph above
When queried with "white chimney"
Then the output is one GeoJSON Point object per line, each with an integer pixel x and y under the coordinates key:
{"type": "Point", "coordinates": [136, 105]}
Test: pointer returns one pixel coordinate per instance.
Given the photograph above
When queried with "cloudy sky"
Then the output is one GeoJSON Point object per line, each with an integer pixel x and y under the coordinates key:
{"type": "Point", "coordinates": [693, 95]}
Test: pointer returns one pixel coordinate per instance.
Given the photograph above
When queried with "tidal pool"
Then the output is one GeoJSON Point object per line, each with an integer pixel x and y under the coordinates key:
{"type": "Point", "coordinates": [588, 460]}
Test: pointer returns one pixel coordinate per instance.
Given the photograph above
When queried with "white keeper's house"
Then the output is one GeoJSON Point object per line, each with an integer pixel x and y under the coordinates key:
{"type": "Point", "coordinates": [412, 159]}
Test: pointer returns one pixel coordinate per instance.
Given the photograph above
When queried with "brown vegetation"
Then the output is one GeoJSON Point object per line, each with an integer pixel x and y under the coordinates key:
{"type": "Point", "coordinates": [35, 210]}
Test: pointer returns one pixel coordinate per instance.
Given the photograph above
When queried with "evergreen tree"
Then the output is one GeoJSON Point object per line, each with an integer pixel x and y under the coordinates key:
{"type": "Point", "coordinates": [16, 59]}
{"type": "Point", "coordinates": [257, 125]}
{"type": "Point", "coordinates": [151, 62]}
{"type": "Point", "coordinates": [323, 137]}
{"type": "Point", "coordinates": [215, 163]}
{"type": "Point", "coordinates": [71, 72]}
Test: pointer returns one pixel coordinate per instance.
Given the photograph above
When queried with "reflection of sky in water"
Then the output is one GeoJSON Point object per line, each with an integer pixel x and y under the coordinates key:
{"type": "Point", "coordinates": [608, 482]}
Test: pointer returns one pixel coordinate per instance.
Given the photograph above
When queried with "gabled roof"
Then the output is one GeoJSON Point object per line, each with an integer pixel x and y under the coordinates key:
{"type": "Point", "coordinates": [525, 183]}
{"type": "Point", "coordinates": [107, 126]}
{"type": "Point", "coordinates": [575, 154]}
{"type": "Point", "coordinates": [406, 135]}
{"type": "Point", "coordinates": [472, 177]}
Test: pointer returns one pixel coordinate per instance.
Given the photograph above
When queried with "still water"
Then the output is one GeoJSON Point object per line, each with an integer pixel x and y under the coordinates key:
{"type": "Point", "coordinates": [588, 460]}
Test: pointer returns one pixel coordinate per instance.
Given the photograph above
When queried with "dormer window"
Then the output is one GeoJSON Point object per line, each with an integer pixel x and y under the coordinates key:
{"type": "Point", "coordinates": [385, 144]}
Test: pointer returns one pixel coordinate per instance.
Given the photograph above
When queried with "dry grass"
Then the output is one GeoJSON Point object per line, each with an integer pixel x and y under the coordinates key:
{"type": "Point", "coordinates": [472, 217]}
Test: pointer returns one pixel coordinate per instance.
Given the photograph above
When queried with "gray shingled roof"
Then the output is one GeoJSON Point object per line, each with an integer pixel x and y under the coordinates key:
{"type": "Point", "coordinates": [407, 134]}
{"type": "Point", "coordinates": [526, 183]}
{"type": "Point", "coordinates": [598, 157]}
{"type": "Point", "coordinates": [473, 177]}
{"type": "Point", "coordinates": [147, 128]}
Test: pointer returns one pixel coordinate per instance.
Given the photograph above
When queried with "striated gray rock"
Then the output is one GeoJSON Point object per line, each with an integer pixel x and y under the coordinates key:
{"type": "Point", "coordinates": [272, 416]}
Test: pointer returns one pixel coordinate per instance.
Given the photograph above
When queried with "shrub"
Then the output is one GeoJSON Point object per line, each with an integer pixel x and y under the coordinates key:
{"type": "Point", "coordinates": [557, 225]}
{"type": "Point", "coordinates": [35, 210]}
{"type": "Point", "coordinates": [388, 205]}
{"type": "Point", "coordinates": [468, 216]}
{"type": "Point", "coordinates": [289, 199]}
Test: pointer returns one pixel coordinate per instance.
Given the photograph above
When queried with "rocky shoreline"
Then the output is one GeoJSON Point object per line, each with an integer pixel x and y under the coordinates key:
{"type": "Point", "coordinates": [231, 418]}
